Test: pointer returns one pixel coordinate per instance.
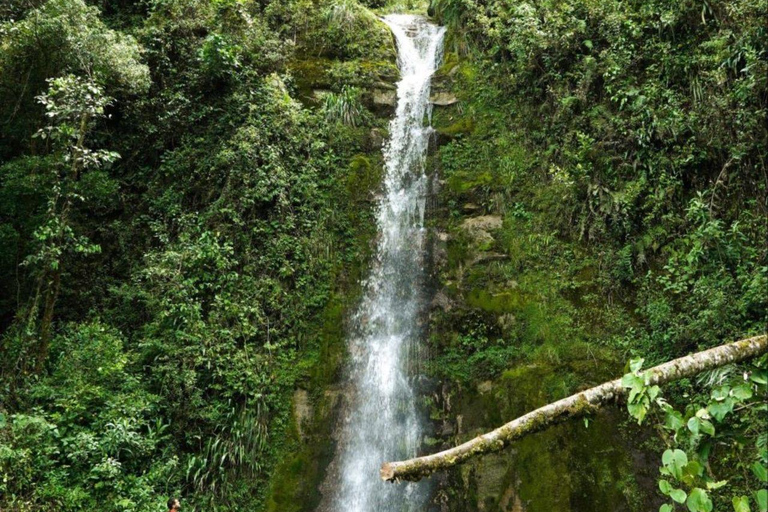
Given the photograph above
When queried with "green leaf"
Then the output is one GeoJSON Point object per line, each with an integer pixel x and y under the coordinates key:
{"type": "Point", "coordinates": [707, 427]}
{"type": "Point", "coordinates": [678, 495]}
{"type": "Point", "coordinates": [674, 461]}
{"type": "Point", "coordinates": [698, 501]}
{"type": "Point", "coordinates": [636, 364]}
{"type": "Point", "coordinates": [760, 472]}
{"type": "Point", "coordinates": [693, 425]}
{"type": "Point", "coordinates": [716, 485]}
{"type": "Point", "coordinates": [759, 376]}
{"type": "Point", "coordinates": [741, 504]}
{"type": "Point", "coordinates": [742, 392]}
{"type": "Point", "coordinates": [761, 497]}
{"type": "Point", "coordinates": [680, 458]}
{"type": "Point", "coordinates": [721, 409]}
{"type": "Point", "coordinates": [666, 508]}
{"type": "Point", "coordinates": [638, 411]}
{"type": "Point", "coordinates": [630, 380]}
{"type": "Point", "coordinates": [665, 487]}
{"type": "Point", "coordinates": [720, 393]}
{"type": "Point", "coordinates": [692, 470]}
{"type": "Point", "coordinates": [673, 420]}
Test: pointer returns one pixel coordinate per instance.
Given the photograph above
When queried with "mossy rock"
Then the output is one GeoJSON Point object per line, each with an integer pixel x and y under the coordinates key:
{"type": "Point", "coordinates": [567, 467]}
{"type": "Point", "coordinates": [467, 181]}
{"type": "Point", "coordinates": [364, 177]}
{"type": "Point", "coordinates": [318, 73]}
{"type": "Point", "coordinates": [462, 126]}
{"type": "Point", "coordinates": [507, 301]}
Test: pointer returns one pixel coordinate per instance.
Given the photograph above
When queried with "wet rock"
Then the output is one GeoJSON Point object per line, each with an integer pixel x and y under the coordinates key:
{"type": "Point", "coordinates": [482, 223]}
{"type": "Point", "coordinates": [442, 301]}
{"type": "Point", "coordinates": [479, 228]}
{"type": "Point", "coordinates": [385, 97]}
{"type": "Point", "coordinates": [376, 138]}
{"type": "Point", "coordinates": [302, 410]}
{"type": "Point", "coordinates": [485, 257]}
{"type": "Point", "coordinates": [443, 99]}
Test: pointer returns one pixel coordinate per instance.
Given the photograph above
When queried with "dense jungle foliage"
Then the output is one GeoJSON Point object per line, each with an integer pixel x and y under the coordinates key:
{"type": "Point", "coordinates": [605, 180]}
{"type": "Point", "coordinates": [185, 212]}
{"type": "Point", "coordinates": [176, 227]}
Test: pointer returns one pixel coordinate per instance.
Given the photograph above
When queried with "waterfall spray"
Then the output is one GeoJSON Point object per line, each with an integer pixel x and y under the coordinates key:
{"type": "Point", "coordinates": [382, 421]}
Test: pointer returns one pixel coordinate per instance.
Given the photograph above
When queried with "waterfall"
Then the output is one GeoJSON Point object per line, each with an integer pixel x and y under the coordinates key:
{"type": "Point", "coordinates": [382, 421]}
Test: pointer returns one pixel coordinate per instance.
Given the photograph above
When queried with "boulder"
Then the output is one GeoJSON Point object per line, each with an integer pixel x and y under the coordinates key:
{"type": "Point", "coordinates": [443, 99]}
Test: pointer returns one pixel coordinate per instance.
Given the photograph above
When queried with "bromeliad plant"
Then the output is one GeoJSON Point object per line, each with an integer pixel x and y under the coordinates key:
{"type": "Point", "coordinates": [686, 474]}
{"type": "Point", "coordinates": [345, 107]}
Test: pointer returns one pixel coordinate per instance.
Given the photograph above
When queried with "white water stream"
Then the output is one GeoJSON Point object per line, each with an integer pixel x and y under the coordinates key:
{"type": "Point", "coordinates": [382, 421]}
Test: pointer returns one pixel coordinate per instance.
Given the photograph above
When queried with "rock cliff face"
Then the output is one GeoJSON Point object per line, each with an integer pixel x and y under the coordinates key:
{"type": "Point", "coordinates": [484, 315]}
{"type": "Point", "coordinates": [482, 369]}
{"type": "Point", "coordinates": [297, 483]}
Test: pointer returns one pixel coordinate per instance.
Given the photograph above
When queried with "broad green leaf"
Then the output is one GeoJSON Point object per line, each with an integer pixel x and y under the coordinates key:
{"type": "Point", "coordinates": [630, 380]}
{"type": "Point", "coordinates": [716, 485]}
{"type": "Point", "coordinates": [692, 470]}
{"type": "Point", "coordinates": [678, 495]}
{"type": "Point", "coordinates": [759, 376]}
{"type": "Point", "coordinates": [675, 461]}
{"type": "Point", "coordinates": [698, 501]}
{"type": "Point", "coordinates": [638, 411]}
{"type": "Point", "coordinates": [693, 425]}
{"type": "Point", "coordinates": [719, 410]}
{"type": "Point", "coordinates": [680, 458]}
{"type": "Point", "coordinates": [760, 472]}
{"type": "Point", "coordinates": [720, 393]}
{"type": "Point", "coordinates": [707, 427]}
{"type": "Point", "coordinates": [761, 497]}
{"type": "Point", "coordinates": [742, 392]}
{"type": "Point", "coordinates": [665, 487]}
{"type": "Point", "coordinates": [636, 364]}
{"type": "Point", "coordinates": [673, 420]}
{"type": "Point", "coordinates": [741, 504]}
{"type": "Point", "coordinates": [666, 508]}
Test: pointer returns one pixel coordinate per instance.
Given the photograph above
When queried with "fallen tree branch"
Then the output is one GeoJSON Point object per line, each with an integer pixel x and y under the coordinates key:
{"type": "Point", "coordinates": [574, 406]}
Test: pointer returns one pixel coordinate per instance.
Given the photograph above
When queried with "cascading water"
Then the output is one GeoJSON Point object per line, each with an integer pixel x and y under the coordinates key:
{"type": "Point", "coordinates": [382, 421]}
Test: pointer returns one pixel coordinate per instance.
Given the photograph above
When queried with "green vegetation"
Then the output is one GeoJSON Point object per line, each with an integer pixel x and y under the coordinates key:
{"type": "Point", "coordinates": [185, 215]}
{"type": "Point", "coordinates": [176, 229]}
{"type": "Point", "coordinates": [605, 198]}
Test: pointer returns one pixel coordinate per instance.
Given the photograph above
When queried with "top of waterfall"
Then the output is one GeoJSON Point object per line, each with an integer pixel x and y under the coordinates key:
{"type": "Point", "coordinates": [419, 43]}
{"type": "Point", "coordinates": [410, 22]}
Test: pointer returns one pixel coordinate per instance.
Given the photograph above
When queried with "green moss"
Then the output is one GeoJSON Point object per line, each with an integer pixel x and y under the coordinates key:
{"type": "Point", "coordinates": [463, 126]}
{"type": "Point", "coordinates": [566, 467]}
{"type": "Point", "coordinates": [503, 302]}
{"type": "Point", "coordinates": [311, 73]}
{"type": "Point", "coordinates": [450, 61]}
{"type": "Point", "coordinates": [364, 176]}
{"type": "Point", "coordinates": [462, 182]}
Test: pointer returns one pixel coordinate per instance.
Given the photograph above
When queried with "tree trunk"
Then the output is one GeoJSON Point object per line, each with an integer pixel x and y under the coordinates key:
{"type": "Point", "coordinates": [51, 294]}
{"type": "Point", "coordinates": [574, 406]}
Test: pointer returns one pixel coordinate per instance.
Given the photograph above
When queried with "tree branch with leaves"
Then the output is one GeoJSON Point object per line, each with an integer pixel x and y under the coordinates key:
{"type": "Point", "coordinates": [72, 105]}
